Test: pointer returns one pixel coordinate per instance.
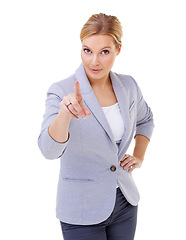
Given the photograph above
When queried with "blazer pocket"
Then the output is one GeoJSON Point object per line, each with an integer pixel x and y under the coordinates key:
{"type": "Point", "coordinates": [131, 106]}
{"type": "Point", "coordinates": [78, 179]}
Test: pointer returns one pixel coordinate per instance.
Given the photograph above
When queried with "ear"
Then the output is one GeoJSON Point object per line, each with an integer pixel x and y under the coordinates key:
{"type": "Point", "coordinates": [119, 49]}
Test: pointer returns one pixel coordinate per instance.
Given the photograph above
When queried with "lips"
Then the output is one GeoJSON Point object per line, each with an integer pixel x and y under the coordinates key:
{"type": "Point", "coordinates": [96, 70]}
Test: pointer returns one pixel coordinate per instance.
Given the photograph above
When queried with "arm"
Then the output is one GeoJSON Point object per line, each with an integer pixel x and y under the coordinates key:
{"type": "Point", "coordinates": [71, 106]}
{"type": "Point", "coordinates": [141, 143]}
{"type": "Point", "coordinates": [144, 129]}
{"type": "Point", "coordinates": [58, 130]}
{"type": "Point", "coordinates": [55, 128]}
{"type": "Point", "coordinates": [48, 143]}
{"type": "Point", "coordinates": [135, 161]}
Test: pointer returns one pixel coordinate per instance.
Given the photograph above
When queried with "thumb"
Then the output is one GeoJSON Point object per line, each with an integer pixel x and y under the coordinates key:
{"type": "Point", "coordinates": [86, 111]}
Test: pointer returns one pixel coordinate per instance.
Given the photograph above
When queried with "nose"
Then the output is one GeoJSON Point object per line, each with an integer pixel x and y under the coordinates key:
{"type": "Point", "coordinates": [95, 60]}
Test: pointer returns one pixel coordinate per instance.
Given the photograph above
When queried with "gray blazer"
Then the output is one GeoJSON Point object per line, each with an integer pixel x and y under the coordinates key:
{"type": "Point", "coordinates": [87, 181]}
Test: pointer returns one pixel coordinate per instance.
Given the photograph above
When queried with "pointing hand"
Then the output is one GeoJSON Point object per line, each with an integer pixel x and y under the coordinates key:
{"type": "Point", "coordinates": [73, 104]}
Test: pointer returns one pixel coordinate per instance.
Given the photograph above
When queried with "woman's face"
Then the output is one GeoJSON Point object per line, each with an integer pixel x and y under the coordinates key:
{"type": "Point", "coordinates": [98, 54]}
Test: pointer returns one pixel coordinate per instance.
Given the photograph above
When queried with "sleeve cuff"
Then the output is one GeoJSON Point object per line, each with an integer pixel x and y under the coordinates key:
{"type": "Point", "coordinates": [49, 147]}
{"type": "Point", "coordinates": [146, 130]}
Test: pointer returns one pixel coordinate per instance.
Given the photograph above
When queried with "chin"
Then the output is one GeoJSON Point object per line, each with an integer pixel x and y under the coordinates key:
{"type": "Point", "coordinates": [97, 76]}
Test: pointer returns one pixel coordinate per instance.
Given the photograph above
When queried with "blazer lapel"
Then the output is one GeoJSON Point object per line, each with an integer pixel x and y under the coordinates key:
{"type": "Point", "coordinates": [91, 100]}
{"type": "Point", "coordinates": [94, 106]}
{"type": "Point", "coordinates": [122, 97]}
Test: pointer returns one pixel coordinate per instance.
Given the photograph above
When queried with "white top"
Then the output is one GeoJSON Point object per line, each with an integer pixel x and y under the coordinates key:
{"type": "Point", "coordinates": [113, 116]}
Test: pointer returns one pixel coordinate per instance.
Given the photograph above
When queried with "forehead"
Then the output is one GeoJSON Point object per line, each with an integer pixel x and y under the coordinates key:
{"type": "Point", "coordinates": [99, 41]}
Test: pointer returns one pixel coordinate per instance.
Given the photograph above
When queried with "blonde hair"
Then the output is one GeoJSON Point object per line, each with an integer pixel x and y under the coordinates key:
{"type": "Point", "coordinates": [103, 24]}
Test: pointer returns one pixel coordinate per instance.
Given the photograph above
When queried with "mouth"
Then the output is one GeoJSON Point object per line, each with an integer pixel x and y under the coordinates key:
{"type": "Point", "coordinates": [96, 70]}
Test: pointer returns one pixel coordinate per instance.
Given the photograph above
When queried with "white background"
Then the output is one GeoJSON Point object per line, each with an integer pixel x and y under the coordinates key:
{"type": "Point", "coordinates": [39, 45]}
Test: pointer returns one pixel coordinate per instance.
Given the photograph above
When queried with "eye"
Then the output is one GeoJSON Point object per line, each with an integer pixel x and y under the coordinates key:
{"type": "Point", "coordinates": [86, 50]}
{"type": "Point", "coordinates": [105, 52]}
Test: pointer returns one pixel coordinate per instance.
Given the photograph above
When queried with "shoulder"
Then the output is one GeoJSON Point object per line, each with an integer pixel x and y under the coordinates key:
{"type": "Point", "coordinates": [127, 81]}
{"type": "Point", "coordinates": [63, 87]}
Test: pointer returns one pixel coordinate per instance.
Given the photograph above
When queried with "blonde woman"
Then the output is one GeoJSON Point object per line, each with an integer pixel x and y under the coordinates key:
{"type": "Point", "coordinates": [89, 122]}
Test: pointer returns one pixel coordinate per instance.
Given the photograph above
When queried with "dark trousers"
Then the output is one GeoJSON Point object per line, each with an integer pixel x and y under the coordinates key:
{"type": "Point", "coordinates": [120, 225]}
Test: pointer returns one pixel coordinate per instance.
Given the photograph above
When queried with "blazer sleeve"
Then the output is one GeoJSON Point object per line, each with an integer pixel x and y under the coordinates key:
{"type": "Point", "coordinates": [48, 146]}
{"type": "Point", "coordinates": [145, 121]}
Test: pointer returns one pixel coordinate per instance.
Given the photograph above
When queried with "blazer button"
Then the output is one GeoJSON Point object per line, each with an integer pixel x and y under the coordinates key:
{"type": "Point", "coordinates": [113, 168]}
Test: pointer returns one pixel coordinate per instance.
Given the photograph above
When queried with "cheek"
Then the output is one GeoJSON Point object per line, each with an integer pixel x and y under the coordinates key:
{"type": "Point", "coordinates": [109, 62]}
{"type": "Point", "coordinates": [84, 59]}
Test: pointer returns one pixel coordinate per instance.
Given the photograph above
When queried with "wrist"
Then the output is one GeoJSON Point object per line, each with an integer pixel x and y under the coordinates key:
{"type": "Point", "coordinates": [140, 158]}
{"type": "Point", "coordinates": [64, 115]}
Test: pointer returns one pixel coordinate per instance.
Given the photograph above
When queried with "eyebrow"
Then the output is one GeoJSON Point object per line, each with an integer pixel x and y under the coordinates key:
{"type": "Point", "coordinates": [100, 49]}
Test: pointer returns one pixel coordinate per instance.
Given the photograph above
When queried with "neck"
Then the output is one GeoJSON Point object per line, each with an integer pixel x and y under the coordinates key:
{"type": "Point", "coordinates": [100, 83]}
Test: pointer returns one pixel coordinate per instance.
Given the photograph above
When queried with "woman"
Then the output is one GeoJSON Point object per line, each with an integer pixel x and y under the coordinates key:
{"type": "Point", "coordinates": [90, 120]}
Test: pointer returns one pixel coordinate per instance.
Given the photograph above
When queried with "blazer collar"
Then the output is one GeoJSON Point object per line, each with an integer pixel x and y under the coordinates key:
{"type": "Point", "coordinates": [92, 103]}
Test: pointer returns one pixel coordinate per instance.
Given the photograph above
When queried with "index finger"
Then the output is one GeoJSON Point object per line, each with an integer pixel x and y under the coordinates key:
{"type": "Point", "coordinates": [77, 91]}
